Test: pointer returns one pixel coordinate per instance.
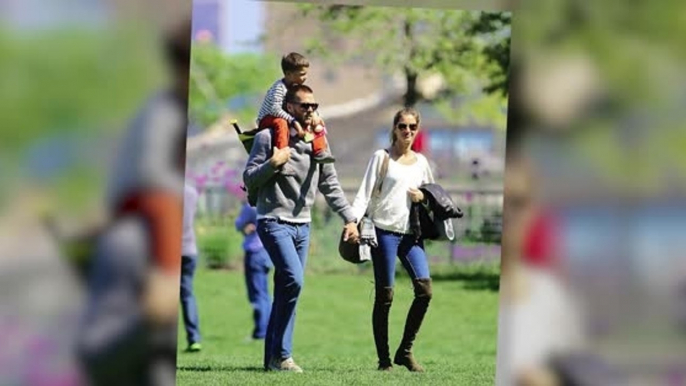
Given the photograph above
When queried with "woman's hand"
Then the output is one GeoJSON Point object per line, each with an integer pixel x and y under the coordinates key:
{"type": "Point", "coordinates": [415, 194]}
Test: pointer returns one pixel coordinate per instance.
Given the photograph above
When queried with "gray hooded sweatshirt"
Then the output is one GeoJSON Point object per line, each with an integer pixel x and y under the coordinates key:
{"type": "Point", "coordinates": [289, 198]}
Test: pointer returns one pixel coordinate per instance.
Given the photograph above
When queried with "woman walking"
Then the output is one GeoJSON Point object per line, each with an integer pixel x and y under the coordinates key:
{"type": "Point", "coordinates": [404, 171]}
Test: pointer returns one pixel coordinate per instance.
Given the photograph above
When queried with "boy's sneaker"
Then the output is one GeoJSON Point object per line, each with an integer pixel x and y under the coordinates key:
{"type": "Point", "coordinates": [324, 157]}
{"type": "Point", "coordinates": [194, 347]}
{"type": "Point", "coordinates": [284, 365]}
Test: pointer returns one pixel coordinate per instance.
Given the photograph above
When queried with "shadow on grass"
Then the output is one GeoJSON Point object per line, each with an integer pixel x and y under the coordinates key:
{"type": "Point", "coordinates": [203, 369]}
{"type": "Point", "coordinates": [480, 281]}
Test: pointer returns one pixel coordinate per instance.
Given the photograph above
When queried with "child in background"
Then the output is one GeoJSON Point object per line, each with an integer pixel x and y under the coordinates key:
{"type": "Point", "coordinates": [189, 259]}
{"type": "Point", "coordinates": [257, 265]}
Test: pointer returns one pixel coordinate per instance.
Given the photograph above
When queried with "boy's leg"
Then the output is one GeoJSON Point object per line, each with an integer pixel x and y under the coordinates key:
{"type": "Point", "coordinates": [320, 149]}
{"type": "Point", "coordinates": [280, 136]}
{"type": "Point", "coordinates": [280, 130]}
{"type": "Point", "coordinates": [264, 300]}
{"type": "Point", "coordinates": [251, 286]}
{"type": "Point", "coordinates": [256, 282]}
{"type": "Point", "coordinates": [188, 303]}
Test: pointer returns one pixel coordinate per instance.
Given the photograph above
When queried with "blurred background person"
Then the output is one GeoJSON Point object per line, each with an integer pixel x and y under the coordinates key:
{"type": "Point", "coordinates": [256, 265]}
{"type": "Point", "coordinates": [189, 260]}
{"type": "Point", "coordinates": [72, 105]}
{"type": "Point", "coordinates": [129, 329]}
{"type": "Point", "coordinates": [538, 317]}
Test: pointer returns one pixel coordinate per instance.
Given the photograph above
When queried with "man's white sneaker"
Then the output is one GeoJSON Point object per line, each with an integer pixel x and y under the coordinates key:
{"type": "Point", "coordinates": [284, 365]}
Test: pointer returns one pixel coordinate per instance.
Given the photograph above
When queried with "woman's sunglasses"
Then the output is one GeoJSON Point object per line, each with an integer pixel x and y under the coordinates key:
{"type": "Point", "coordinates": [412, 126]}
{"type": "Point", "coordinates": [307, 106]}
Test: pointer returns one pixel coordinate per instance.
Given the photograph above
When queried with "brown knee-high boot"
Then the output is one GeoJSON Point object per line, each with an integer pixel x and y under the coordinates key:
{"type": "Point", "coordinates": [382, 306]}
{"type": "Point", "coordinates": [422, 297]}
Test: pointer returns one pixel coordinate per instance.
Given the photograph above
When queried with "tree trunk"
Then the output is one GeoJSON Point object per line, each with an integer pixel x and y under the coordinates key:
{"type": "Point", "coordinates": [412, 94]}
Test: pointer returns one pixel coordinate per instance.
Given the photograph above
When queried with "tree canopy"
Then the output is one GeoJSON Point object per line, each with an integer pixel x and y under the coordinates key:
{"type": "Point", "coordinates": [221, 84]}
{"type": "Point", "coordinates": [468, 50]}
{"type": "Point", "coordinates": [418, 42]}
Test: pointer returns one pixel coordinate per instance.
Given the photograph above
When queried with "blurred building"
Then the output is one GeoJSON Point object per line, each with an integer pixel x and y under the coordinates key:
{"type": "Point", "coordinates": [208, 21]}
{"type": "Point", "coordinates": [151, 13]}
{"type": "Point", "coordinates": [39, 15]}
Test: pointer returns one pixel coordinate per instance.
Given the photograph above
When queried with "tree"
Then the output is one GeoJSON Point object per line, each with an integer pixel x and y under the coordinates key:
{"type": "Point", "coordinates": [495, 29]}
{"type": "Point", "coordinates": [63, 92]}
{"type": "Point", "coordinates": [67, 82]}
{"type": "Point", "coordinates": [218, 79]}
{"type": "Point", "coordinates": [417, 42]}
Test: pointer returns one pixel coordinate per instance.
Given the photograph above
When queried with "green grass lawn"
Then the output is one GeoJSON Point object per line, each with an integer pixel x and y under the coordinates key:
{"type": "Point", "coordinates": [333, 339]}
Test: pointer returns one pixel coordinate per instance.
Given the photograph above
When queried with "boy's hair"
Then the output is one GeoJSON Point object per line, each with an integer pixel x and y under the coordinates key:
{"type": "Point", "coordinates": [294, 90]}
{"type": "Point", "coordinates": [293, 62]}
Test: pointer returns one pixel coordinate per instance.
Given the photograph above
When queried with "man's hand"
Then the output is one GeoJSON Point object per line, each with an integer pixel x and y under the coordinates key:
{"type": "Point", "coordinates": [249, 229]}
{"type": "Point", "coordinates": [350, 233]}
{"type": "Point", "coordinates": [280, 156]}
{"type": "Point", "coordinates": [415, 194]}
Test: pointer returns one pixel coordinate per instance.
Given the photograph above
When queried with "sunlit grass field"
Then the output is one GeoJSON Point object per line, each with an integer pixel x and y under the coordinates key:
{"type": "Point", "coordinates": [333, 339]}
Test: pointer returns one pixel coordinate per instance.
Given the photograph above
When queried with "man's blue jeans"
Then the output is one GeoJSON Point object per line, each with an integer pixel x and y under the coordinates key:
{"type": "Point", "coordinates": [188, 304]}
{"type": "Point", "coordinates": [287, 245]}
{"type": "Point", "coordinates": [256, 267]}
{"type": "Point", "coordinates": [410, 252]}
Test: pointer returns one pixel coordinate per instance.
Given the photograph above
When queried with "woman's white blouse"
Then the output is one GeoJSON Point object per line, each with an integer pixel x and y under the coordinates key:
{"type": "Point", "coordinates": [391, 209]}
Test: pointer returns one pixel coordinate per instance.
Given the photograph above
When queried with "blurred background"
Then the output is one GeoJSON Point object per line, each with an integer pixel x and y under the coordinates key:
{"type": "Point", "coordinates": [73, 74]}
{"type": "Point", "coordinates": [592, 285]}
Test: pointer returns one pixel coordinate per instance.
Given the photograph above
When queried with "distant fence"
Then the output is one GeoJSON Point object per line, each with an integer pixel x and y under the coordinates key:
{"type": "Point", "coordinates": [474, 200]}
{"type": "Point", "coordinates": [478, 232]}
